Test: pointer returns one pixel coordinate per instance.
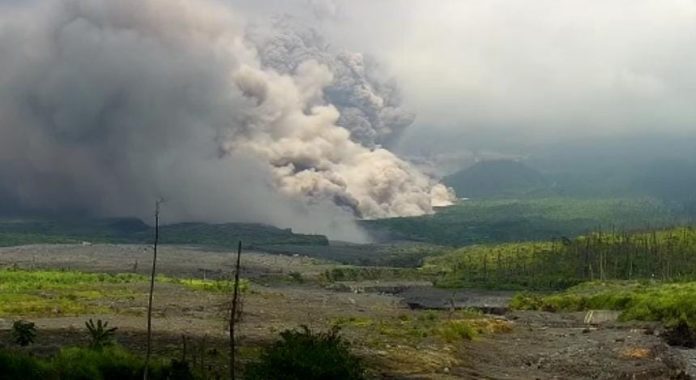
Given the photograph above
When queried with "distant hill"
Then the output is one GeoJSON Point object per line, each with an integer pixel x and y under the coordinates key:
{"type": "Point", "coordinates": [485, 221]}
{"type": "Point", "coordinates": [497, 178]}
{"type": "Point", "coordinates": [134, 231]}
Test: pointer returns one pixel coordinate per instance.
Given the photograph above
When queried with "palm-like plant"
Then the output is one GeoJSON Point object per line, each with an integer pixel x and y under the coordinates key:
{"type": "Point", "coordinates": [99, 333]}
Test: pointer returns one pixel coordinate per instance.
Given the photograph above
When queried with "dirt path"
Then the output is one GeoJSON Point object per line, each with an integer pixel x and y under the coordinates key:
{"type": "Point", "coordinates": [172, 260]}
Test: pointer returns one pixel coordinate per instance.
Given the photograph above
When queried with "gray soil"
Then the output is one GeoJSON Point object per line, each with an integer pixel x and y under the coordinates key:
{"type": "Point", "coordinates": [539, 346]}
{"type": "Point", "coordinates": [561, 346]}
{"type": "Point", "coordinates": [428, 297]}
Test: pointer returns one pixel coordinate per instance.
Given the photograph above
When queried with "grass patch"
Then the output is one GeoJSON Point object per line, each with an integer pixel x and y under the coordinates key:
{"type": "Point", "coordinates": [44, 292]}
{"type": "Point", "coordinates": [456, 330]}
{"type": "Point", "coordinates": [79, 363]}
{"type": "Point", "coordinates": [416, 342]}
{"type": "Point", "coordinates": [443, 327]}
{"type": "Point", "coordinates": [669, 303]}
{"type": "Point", "coordinates": [214, 286]}
{"type": "Point", "coordinates": [34, 293]}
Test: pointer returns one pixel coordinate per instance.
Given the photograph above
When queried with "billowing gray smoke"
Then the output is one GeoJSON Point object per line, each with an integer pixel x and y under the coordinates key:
{"type": "Point", "coordinates": [369, 101]}
{"type": "Point", "coordinates": [107, 105]}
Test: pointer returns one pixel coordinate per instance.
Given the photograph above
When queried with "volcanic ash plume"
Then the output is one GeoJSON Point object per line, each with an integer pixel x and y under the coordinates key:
{"type": "Point", "coordinates": [105, 105]}
{"type": "Point", "coordinates": [368, 100]}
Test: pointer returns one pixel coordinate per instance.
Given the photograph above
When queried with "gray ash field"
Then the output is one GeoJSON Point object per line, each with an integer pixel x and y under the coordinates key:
{"type": "Point", "coordinates": [396, 341]}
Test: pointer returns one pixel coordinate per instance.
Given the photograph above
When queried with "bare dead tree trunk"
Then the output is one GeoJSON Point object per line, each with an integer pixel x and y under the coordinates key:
{"type": "Point", "coordinates": [152, 289]}
{"type": "Point", "coordinates": [233, 310]}
{"type": "Point", "coordinates": [183, 348]}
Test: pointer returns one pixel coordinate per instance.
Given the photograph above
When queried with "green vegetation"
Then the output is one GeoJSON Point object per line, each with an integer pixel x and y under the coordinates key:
{"type": "Point", "coordinates": [100, 334]}
{"type": "Point", "coordinates": [305, 355]}
{"type": "Point", "coordinates": [20, 366]}
{"type": "Point", "coordinates": [416, 342]}
{"type": "Point", "coordinates": [110, 363]}
{"type": "Point", "coordinates": [504, 266]}
{"type": "Point", "coordinates": [455, 330]}
{"type": "Point", "coordinates": [23, 332]}
{"type": "Point", "coordinates": [515, 220]}
{"type": "Point", "coordinates": [215, 286]}
{"type": "Point", "coordinates": [228, 235]}
{"type": "Point", "coordinates": [32, 293]}
{"type": "Point", "coordinates": [666, 255]}
{"type": "Point", "coordinates": [134, 231]}
{"type": "Point", "coordinates": [669, 303]}
{"type": "Point", "coordinates": [447, 327]}
{"type": "Point", "coordinates": [498, 178]}
{"type": "Point", "coordinates": [47, 292]}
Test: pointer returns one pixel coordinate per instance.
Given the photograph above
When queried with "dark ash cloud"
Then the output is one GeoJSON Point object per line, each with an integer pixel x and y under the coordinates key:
{"type": "Point", "coordinates": [106, 106]}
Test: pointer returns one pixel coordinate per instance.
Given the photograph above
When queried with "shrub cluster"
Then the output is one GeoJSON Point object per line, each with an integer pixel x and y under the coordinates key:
{"type": "Point", "coordinates": [23, 332]}
{"type": "Point", "coordinates": [669, 303]}
{"type": "Point", "coordinates": [305, 355]}
{"type": "Point", "coordinates": [109, 363]}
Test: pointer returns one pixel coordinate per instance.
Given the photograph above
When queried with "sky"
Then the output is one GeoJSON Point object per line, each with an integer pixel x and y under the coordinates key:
{"type": "Point", "coordinates": [536, 71]}
{"type": "Point", "coordinates": [313, 113]}
{"type": "Point", "coordinates": [509, 70]}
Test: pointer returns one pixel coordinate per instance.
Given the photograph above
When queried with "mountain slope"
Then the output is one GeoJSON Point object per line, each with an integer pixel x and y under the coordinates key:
{"type": "Point", "coordinates": [497, 179]}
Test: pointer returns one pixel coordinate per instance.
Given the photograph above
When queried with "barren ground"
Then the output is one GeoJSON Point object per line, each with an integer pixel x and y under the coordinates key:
{"type": "Point", "coordinates": [395, 341]}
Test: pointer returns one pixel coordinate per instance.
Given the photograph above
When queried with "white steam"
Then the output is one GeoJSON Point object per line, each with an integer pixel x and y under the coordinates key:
{"type": "Point", "coordinates": [106, 105]}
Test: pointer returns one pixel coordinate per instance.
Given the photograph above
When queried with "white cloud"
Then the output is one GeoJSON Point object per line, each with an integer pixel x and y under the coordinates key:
{"type": "Point", "coordinates": [538, 68]}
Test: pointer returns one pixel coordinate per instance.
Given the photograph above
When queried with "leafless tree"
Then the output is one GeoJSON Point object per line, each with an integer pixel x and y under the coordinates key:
{"type": "Point", "coordinates": [233, 310]}
{"type": "Point", "coordinates": [152, 289]}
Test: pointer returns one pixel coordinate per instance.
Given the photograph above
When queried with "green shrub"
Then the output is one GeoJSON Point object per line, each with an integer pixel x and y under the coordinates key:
{"type": "Point", "coordinates": [113, 363]}
{"type": "Point", "coordinates": [177, 370]}
{"type": "Point", "coordinates": [20, 366]}
{"type": "Point", "coordinates": [23, 332]}
{"type": "Point", "coordinates": [669, 303]}
{"type": "Point", "coordinates": [526, 301]}
{"type": "Point", "coordinates": [108, 363]}
{"type": "Point", "coordinates": [100, 334]}
{"type": "Point", "coordinates": [452, 331]}
{"type": "Point", "coordinates": [304, 355]}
